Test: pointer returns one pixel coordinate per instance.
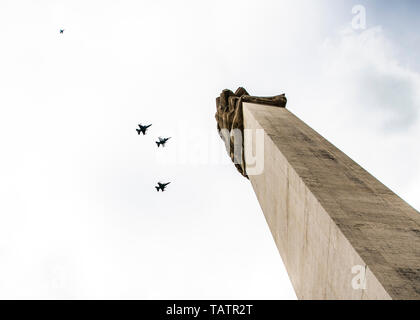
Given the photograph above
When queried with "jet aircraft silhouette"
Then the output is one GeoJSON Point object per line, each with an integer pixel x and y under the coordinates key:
{"type": "Point", "coordinates": [142, 129]}
{"type": "Point", "coordinates": [162, 141]}
{"type": "Point", "coordinates": [161, 186]}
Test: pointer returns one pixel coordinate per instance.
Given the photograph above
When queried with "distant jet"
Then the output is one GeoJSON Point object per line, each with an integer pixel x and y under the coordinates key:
{"type": "Point", "coordinates": [162, 141]}
{"type": "Point", "coordinates": [142, 129]}
{"type": "Point", "coordinates": [161, 186]}
{"type": "Point", "coordinates": [61, 30]}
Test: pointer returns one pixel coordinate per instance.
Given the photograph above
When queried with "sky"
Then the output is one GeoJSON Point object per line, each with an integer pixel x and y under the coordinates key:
{"type": "Point", "coordinates": [79, 215]}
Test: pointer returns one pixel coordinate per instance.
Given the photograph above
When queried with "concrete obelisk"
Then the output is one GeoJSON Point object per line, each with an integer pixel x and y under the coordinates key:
{"type": "Point", "coordinates": [341, 233]}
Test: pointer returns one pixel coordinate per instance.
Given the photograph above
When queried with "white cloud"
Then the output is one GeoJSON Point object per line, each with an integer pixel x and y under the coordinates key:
{"type": "Point", "coordinates": [375, 80]}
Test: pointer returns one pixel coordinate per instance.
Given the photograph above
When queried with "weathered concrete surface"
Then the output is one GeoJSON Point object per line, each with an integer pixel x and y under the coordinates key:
{"type": "Point", "coordinates": [327, 215]}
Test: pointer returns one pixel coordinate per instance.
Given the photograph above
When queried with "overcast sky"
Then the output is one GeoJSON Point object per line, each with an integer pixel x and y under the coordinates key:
{"type": "Point", "coordinates": [79, 215]}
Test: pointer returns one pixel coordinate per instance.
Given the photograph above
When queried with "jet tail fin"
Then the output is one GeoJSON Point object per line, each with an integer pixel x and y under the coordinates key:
{"type": "Point", "coordinates": [158, 143]}
{"type": "Point", "coordinates": [157, 189]}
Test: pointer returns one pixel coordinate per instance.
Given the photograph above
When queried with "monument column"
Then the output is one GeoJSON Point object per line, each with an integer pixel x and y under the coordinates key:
{"type": "Point", "coordinates": [340, 232]}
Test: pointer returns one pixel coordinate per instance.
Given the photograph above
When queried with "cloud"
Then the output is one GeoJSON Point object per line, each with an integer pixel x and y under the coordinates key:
{"type": "Point", "coordinates": [375, 81]}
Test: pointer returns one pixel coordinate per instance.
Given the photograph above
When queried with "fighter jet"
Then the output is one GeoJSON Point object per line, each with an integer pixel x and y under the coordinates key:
{"type": "Point", "coordinates": [142, 129]}
{"type": "Point", "coordinates": [61, 30]}
{"type": "Point", "coordinates": [161, 186]}
{"type": "Point", "coordinates": [162, 141]}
